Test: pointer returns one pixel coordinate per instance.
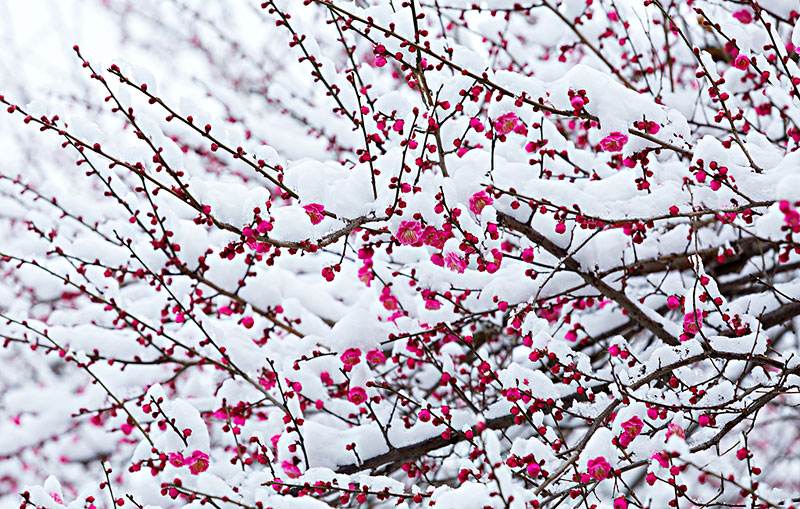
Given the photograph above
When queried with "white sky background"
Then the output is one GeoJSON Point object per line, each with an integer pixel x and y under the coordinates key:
{"type": "Point", "coordinates": [37, 38]}
{"type": "Point", "coordinates": [37, 61]}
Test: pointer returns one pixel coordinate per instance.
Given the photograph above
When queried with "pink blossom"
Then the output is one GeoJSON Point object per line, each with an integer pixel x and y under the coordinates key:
{"type": "Point", "coordinates": [478, 201]}
{"type": "Point", "coordinates": [533, 469]}
{"type": "Point", "coordinates": [409, 233]}
{"type": "Point", "coordinates": [476, 124]}
{"type": "Point", "coordinates": [791, 216]}
{"type": "Point", "coordinates": [577, 102]}
{"type": "Point", "coordinates": [350, 357]}
{"type": "Point", "coordinates": [291, 470]}
{"type": "Point", "coordinates": [743, 16]}
{"type": "Point", "coordinates": [315, 211]}
{"type": "Point", "coordinates": [620, 503]}
{"type": "Point", "coordinates": [424, 415]}
{"type": "Point", "coordinates": [455, 262]}
{"type": "Point", "coordinates": [741, 62]}
{"type": "Point", "coordinates": [357, 395]}
{"type": "Point", "coordinates": [375, 357]}
{"type": "Point", "coordinates": [692, 322]}
{"type": "Point", "coordinates": [674, 429]}
{"type": "Point", "coordinates": [198, 462]}
{"type": "Point", "coordinates": [389, 301]}
{"type": "Point", "coordinates": [662, 458]}
{"type": "Point", "coordinates": [507, 123]}
{"type": "Point", "coordinates": [614, 142]}
{"type": "Point", "coordinates": [248, 322]}
{"type": "Point", "coordinates": [176, 459]}
{"type": "Point", "coordinates": [673, 302]}
{"type": "Point", "coordinates": [599, 468]}
{"type": "Point", "coordinates": [631, 428]}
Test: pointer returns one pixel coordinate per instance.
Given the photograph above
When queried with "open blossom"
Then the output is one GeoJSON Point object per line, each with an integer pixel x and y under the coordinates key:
{"type": "Point", "coordinates": [357, 395]}
{"type": "Point", "coordinates": [599, 468]}
{"type": "Point", "coordinates": [315, 212]}
{"type": "Point", "coordinates": [614, 142]}
{"type": "Point", "coordinates": [692, 322]}
{"type": "Point", "coordinates": [198, 462]}
{"type": "Point", "coordinates": [409, 233]}
{"type": "Point", "coordinates": [630, 430]}
{"type": "Point", "coordinates": [375, 357]}
{"type": "Point", "coordinates": [791, 216]}
{"type": "Point", "coordinates": [741, 61]}
{"type": "Point", "coordinates": [350, 357]}
{"type": "Point", "coordinates": [478, 201]}
{"type": "Point", "coordinates": [455, 262]}
{"type": "Point", "coordinates": [509, 122]}
{"type": "Point", "coordinates": [176, 459]}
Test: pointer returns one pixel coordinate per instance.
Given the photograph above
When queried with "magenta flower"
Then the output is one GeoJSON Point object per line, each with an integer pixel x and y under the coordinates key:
{"type": "Point", "coordinates": [350, 358]}
{"type": "Point", "coordinates": [176, 459]}
{"type": "Point", "coordinates": [743, 16]}
{"type": "Point", "coordinates": [692, 322]}
{"type": "Point", "coordinates": [674, 429]}
{"type": "Point", "coordinates": [198, 462]}
{"type": "Point", "coordinates": [507, 123]}
{"type": "Point", "coordinates": [409, 233]}
{"type": "Point", "coordinates": [741, 62]}
{"type": "Point", "coordinates": [630, 430]}
{"type": "Point", "coordinates": [478, 201]}
{"type": "Point", "coordinates": [315, 211]}
{"type": "Point", "coordinates": [614, 142]}
{"type": "Point", "coordinates": [455, 262]}
{"type": "Point", "coordinates": [357, 395]}
{"type": "Point", "coordinates": [290, 469]}
{"type": "Point", "coordinates": [599, 468]}
{"type": "Point", "coordinates": [375, 357]}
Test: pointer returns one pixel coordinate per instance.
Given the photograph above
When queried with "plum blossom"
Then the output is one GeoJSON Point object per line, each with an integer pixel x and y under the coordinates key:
{"type": "Point", "coordinates": [350, 358]}
{"type": "Point", "coordinates": [290, 469]}
{"type": "Point", "coordinates": [376, 357]}
{"type": "Point", "coordinates": [409, 233]}
{"type": "Point", "coordinates": [315, 212]}
{"type": "Point", "coordinates": [614, 142]}
{"type": "Point", "coordinates": [455, 262]}
{"type": "Point", "coordinates": [692, 322]}
{"type": "Point", "coordinates": [357, 395]}
{"type": "Point", "coordinates": [741, 62]}
{"type": "Point", "coordinates": [743, 16]}
{"type": "Point", "coordinates": [631, 429]}
{"type": "Point", "coordinates": [598, 468]}
{"type": "Point", "coordinates": [509, 122]}
{"type": "Point", "coordinates": [478, 201]}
